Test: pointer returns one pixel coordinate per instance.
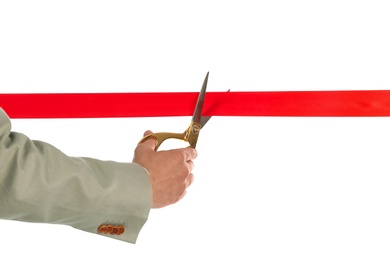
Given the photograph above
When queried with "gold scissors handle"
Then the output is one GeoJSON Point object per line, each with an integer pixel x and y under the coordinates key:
{"type": "Point", "coordinates": [190, 135]}
{"type": "Point", "coordinates": [161, 137]}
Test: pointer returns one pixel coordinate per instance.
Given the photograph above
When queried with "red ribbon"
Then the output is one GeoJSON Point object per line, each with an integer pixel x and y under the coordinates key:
{"type": "Point", "coordinates": [290, 103]}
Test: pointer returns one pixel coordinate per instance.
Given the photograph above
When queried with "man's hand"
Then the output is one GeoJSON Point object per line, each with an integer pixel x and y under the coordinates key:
{"type": "Point", "coordinates": [169, 171]}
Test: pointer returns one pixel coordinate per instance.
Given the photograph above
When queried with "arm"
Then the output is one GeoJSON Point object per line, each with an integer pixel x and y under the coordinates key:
{"type": "Point", "coordinates": [38, 183]}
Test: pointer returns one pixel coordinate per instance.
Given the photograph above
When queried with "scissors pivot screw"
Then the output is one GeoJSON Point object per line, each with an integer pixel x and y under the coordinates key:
{"type": "Point", "coordinates": [195, 129]}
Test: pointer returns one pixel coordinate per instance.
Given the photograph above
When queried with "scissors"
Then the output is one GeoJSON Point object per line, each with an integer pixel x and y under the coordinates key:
{"type": "Point", "coordinates": [191, 134]}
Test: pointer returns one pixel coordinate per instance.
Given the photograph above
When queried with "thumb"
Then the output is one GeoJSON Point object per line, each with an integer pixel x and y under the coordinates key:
{"type": "Point", "coordinates": [149, 143]}
{"type": "Point", "coordinates": [148, 132]}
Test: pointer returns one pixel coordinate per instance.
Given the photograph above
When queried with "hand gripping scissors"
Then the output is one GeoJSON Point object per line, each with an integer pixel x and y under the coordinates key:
{"type": "Point", "coordinates": [192, 133]}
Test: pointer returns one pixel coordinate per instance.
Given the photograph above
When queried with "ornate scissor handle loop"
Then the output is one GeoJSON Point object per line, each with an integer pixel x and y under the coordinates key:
{"type": "Point", "coordinates": [161, 137]}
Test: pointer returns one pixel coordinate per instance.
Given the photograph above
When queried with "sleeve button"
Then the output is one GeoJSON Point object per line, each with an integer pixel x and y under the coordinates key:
{"type": "Point", "coordinates": [103, 229]}
{"type": "Point", "coordinates": [121, 230]}
{"type": "Point", "coordinates": [111, 229]}
{"type": "Point", "coordinates": [115, 230]}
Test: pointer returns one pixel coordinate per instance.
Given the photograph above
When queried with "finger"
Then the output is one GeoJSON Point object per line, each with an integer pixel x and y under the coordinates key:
{"type": "Point", "coordinates": [190, 153]}
{"type": "Point", "coordinates": [190, 179]}
{"type": "Point", "coordinates": [191, 165]}
{"type": "Point", "coordinates": [148, 132]}
{"type": "Point", "coordinates": [149, 143]}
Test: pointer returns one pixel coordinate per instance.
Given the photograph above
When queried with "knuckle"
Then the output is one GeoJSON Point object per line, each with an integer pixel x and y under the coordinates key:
{"type": "Point", "coordinates": [181, 156]}
{"type": "Point", "coordinates": [194, 153]}
{"type": "Point", "coordinates": [191, 152]}
{"type": "Point", "coordinates": [191, 165]}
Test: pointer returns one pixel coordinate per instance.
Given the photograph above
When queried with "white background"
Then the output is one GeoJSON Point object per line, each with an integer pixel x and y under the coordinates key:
{"type": "Point", "coordinates": [265, 187]}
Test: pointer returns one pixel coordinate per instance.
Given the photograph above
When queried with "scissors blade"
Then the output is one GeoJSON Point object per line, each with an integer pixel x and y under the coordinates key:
{"type": "Point", "coordinates": [199, 104]}
{"type": "Point", "coordinates": [204, 120]}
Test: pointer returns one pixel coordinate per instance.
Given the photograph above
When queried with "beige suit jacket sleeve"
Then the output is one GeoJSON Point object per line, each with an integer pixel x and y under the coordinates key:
{"type": "Point", "coordinates": [38, 183]}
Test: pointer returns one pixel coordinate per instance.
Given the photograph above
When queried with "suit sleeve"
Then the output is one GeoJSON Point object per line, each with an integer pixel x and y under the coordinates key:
{"type": "Point", "coordinates": [39, 183]}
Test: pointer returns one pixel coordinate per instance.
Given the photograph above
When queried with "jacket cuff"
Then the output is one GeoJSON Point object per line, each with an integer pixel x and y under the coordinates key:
{"type": "Point", "coordinates": [124, 206]}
